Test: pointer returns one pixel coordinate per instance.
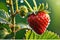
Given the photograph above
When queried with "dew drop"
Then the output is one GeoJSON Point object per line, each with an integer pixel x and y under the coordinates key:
{"type": "Point", "coordinates": [21, 1]}
{"type": "Point", "coordinates": [7, 5]}
{"type": "Point", "coordinates": [9, 10]}
{"type": "Point", "coordinates": [26, 30]}
{"type": "Point", "coordinates": [23, 17]}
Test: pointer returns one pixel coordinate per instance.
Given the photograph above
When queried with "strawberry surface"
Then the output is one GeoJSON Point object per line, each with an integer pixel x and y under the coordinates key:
{"type": "Point", "coordinates": [39, 21]}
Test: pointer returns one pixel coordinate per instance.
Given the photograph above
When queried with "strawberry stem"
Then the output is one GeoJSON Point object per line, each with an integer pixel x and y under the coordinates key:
{"type": "Point", "coordinates": [12, 16]}
{"type": "Point", "coordinates": [17, 10]}
{"type": "Point", "coordinates": [35, 4]}
{"type": "Point", "coordinates": [16, 4]}
{"type": "Point", "coordinates": [29, 5]}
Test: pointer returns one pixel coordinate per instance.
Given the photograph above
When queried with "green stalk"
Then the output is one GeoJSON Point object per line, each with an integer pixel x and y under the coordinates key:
{"type": "Point", "coordinates": [17, 10]}
{"type": "Point", "coordinates": [35, 4]}
{"type": "Point", "coordinates": [12, 16]}
{"type": "Point", "coordinates": [29, 5]}
{"type": "Point", "coordinates": [12, 12]}
{"type": "Point", "coordinates": [16, 4]}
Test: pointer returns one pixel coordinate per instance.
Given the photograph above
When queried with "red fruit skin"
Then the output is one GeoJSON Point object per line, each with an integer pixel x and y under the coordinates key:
{"type": "Point", "coordinates": [39, 22]}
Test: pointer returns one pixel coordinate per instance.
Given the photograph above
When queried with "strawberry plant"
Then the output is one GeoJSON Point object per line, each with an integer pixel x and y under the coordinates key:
{"type": "Point", "coordinates": [38, 20]}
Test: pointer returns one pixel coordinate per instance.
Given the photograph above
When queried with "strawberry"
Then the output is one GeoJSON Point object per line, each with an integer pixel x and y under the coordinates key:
{"type": "Point", "coordinates": [39, 21]}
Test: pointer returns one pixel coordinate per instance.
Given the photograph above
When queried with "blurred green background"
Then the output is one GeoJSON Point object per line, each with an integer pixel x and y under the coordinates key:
{"type": "Point", "coordinates": [54, 7]}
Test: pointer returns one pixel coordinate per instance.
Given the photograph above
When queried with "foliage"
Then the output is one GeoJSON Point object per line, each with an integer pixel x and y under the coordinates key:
{"type": "Point", "coordinates": [6, 31]}
{"type": "Point", "coordinates": [47, 35]}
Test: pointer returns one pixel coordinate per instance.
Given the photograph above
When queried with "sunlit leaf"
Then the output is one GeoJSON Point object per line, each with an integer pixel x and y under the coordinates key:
{"type": "Point", "coordinates": [47, 35]}
{"type": "Point", "coordinates": [5, 26]}
{"type": "Point", "coordinates": [4, 16]}
{"type": "Point", "coordinates": [3, 32]}
{"type": "Point", "coordinates": [9, 36]}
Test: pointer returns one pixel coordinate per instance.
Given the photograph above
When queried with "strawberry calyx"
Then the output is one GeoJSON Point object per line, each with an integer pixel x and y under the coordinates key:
{"type": "Point", "coordinates": [41, 7]}
{"type": "Point", "coordinates": [36, 8]}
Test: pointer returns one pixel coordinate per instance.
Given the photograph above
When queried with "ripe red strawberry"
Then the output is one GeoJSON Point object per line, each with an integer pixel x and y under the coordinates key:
{"type": "Point", "coordinates": [39, 22]}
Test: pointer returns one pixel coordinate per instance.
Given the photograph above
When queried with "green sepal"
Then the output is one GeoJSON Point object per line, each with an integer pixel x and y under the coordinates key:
{"type": "Point", "coordinates": [41, 7]}
{"type": "Point", "coordinates": [46, 7]}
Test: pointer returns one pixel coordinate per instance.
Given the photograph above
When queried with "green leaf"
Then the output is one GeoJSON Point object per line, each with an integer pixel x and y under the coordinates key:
{"type": "Point", "coordinates": [3, 32]}
{"type": "Point", "coordinates": [3, 6]}
{"type": "Point", "coordinates": [4, 16]}
{"type": "Point", "coordinates": [47, 35]}
{"type": "Point", "coordinates": [5, 26]}
{"type": "Point", "coordinates": [9, 36]}
{"type": "Point", "coordinates": [21, 34]}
